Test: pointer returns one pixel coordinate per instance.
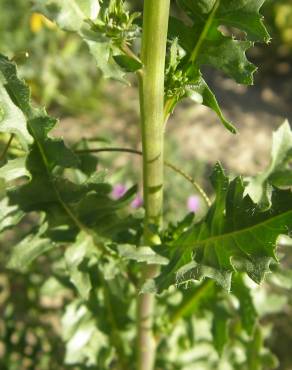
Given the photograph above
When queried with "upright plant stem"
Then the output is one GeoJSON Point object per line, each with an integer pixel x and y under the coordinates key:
{"type": "Point", "coordinates": [155, 23]}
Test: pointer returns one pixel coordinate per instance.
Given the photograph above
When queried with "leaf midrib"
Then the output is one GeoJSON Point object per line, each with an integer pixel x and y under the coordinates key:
{"type": "Point", "coordinates": [236, 232]}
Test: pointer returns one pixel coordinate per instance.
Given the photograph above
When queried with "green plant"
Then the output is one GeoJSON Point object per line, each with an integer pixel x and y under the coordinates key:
{"type": "Point", "coordinates": [279, 15]}
{"type": "Point", "coordinates": [115, 260]}
{"type": "Point", "coordinates": [50, 60]}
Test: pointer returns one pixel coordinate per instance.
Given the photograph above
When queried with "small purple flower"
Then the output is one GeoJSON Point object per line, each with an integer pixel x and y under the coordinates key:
{"type": "Point", "coordinates": [137, 202]}
{"type": "Point", "coordinates": [118, 191]}
{"type": "Point", "coordinates": [193, 203]}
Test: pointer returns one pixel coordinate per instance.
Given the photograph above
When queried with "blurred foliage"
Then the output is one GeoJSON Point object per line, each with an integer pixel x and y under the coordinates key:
{"type": "Point", "coordinates": [279, 18]}
{"type": "Point", "coordinates": [29, 336]}
{"type": "Point", "coordinates": [283, 21]}
{"type": "Point", "coordinates": [54, 63]}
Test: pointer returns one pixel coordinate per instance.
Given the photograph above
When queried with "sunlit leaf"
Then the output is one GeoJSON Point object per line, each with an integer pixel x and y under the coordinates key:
{"type": "Point", "coordinates": [235, 235]}
{"type": "Point", "coordinates": [205, 43]}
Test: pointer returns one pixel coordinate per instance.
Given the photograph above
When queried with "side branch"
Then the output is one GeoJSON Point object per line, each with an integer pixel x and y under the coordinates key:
{"type": "Point", "coordinates": [179, 171]}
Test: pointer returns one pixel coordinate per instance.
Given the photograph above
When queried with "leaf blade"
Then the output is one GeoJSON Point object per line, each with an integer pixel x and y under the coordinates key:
{"type": "Point", "coordinates": [235, 235]}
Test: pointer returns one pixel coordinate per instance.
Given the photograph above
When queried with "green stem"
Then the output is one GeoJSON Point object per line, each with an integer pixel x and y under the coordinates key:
{"type": "Point", "coordinates": [5, 150]}
{"type": "Point", "coordinates": [155, 24]}
{"type": "Point", "coordinates": [196, 186]}
{"type": "Point", "coordinates": [154, 38]}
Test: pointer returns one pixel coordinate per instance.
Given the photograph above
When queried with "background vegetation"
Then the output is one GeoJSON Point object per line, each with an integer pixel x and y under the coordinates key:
{"type": "Point", "coordinates": [36, 319]}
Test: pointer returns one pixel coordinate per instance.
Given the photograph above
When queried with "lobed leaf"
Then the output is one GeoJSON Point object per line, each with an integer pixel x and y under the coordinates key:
{"type": "Point", "coordinates": [235, 235]}
{"type": "Point", "coordinates": [241, 14]}
{"type": "Point", "coordinates": [68, 206]}
{"type": "Point", "coordinates": [204, 42]}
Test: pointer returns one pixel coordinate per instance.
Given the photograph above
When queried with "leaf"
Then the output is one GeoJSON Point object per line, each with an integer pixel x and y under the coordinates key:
{"type": "Point", "coordinates": [204, 43]}
{"type": "Point", "coordinates": [53, 151]}
{"type": "Point", "coordinates": [247, 311]}
{"type": "Point", "coordinates": [209, 100]}
{"type": "Point", "coordinates": [75, 16]}
{"type": "Point", "coordinates": [242, 14]}
{"type": "Point", "coordinates": [38, 123]}
{"type": "Point", "coordinates": [102, 52]}
{"type": "Point", "coordinates": [88, 164]}
{"type": "Point", "coordinates": [195, 298]}
{"type": "Point", "coordinates": [278, 172]}
{"type": "Point", "coordinates": [14, 169]}
{"type": "Point", "coordinates": [12, 119]}
{"type": "Point", "coordinates": [141, 254]}
{"type": "Point", "coordinates": [83, 249]}
{"type": "Point", "coordinates": [9, 215]}
{"type": "Point", "coordinates": [103, 26]}
{"type": "Point", "coordinates": [85, 343]}
{"type": "Point", "coordinates": [228, 56]}
{"type": "Point", "coordinates": [127, 63]}
{"type": "Point", "coordinates": [30, 248]}
{"type": "Point", "coordinates": [17, 90]}
{"type": "Point", "coordinates": [68, 206]}
{"type": "Point", "coordinates": [180, 84]}
{"type": "Point", "coordinates": [117, 304]}
{"type": "Point", "coordinates": [254, 357]}
{"type": "Point", "coordinates": [281, 178]}
{"type": "Point", "coordinates": [220, 328]}
{"type": "Point", "coordinates": [235, 235]}
{"type": "Point", "coordinates": [68, 14]}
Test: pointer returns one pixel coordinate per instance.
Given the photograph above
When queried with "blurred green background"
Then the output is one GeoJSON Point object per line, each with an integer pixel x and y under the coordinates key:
{"type": "Point", "coordinates": [63, 78]}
